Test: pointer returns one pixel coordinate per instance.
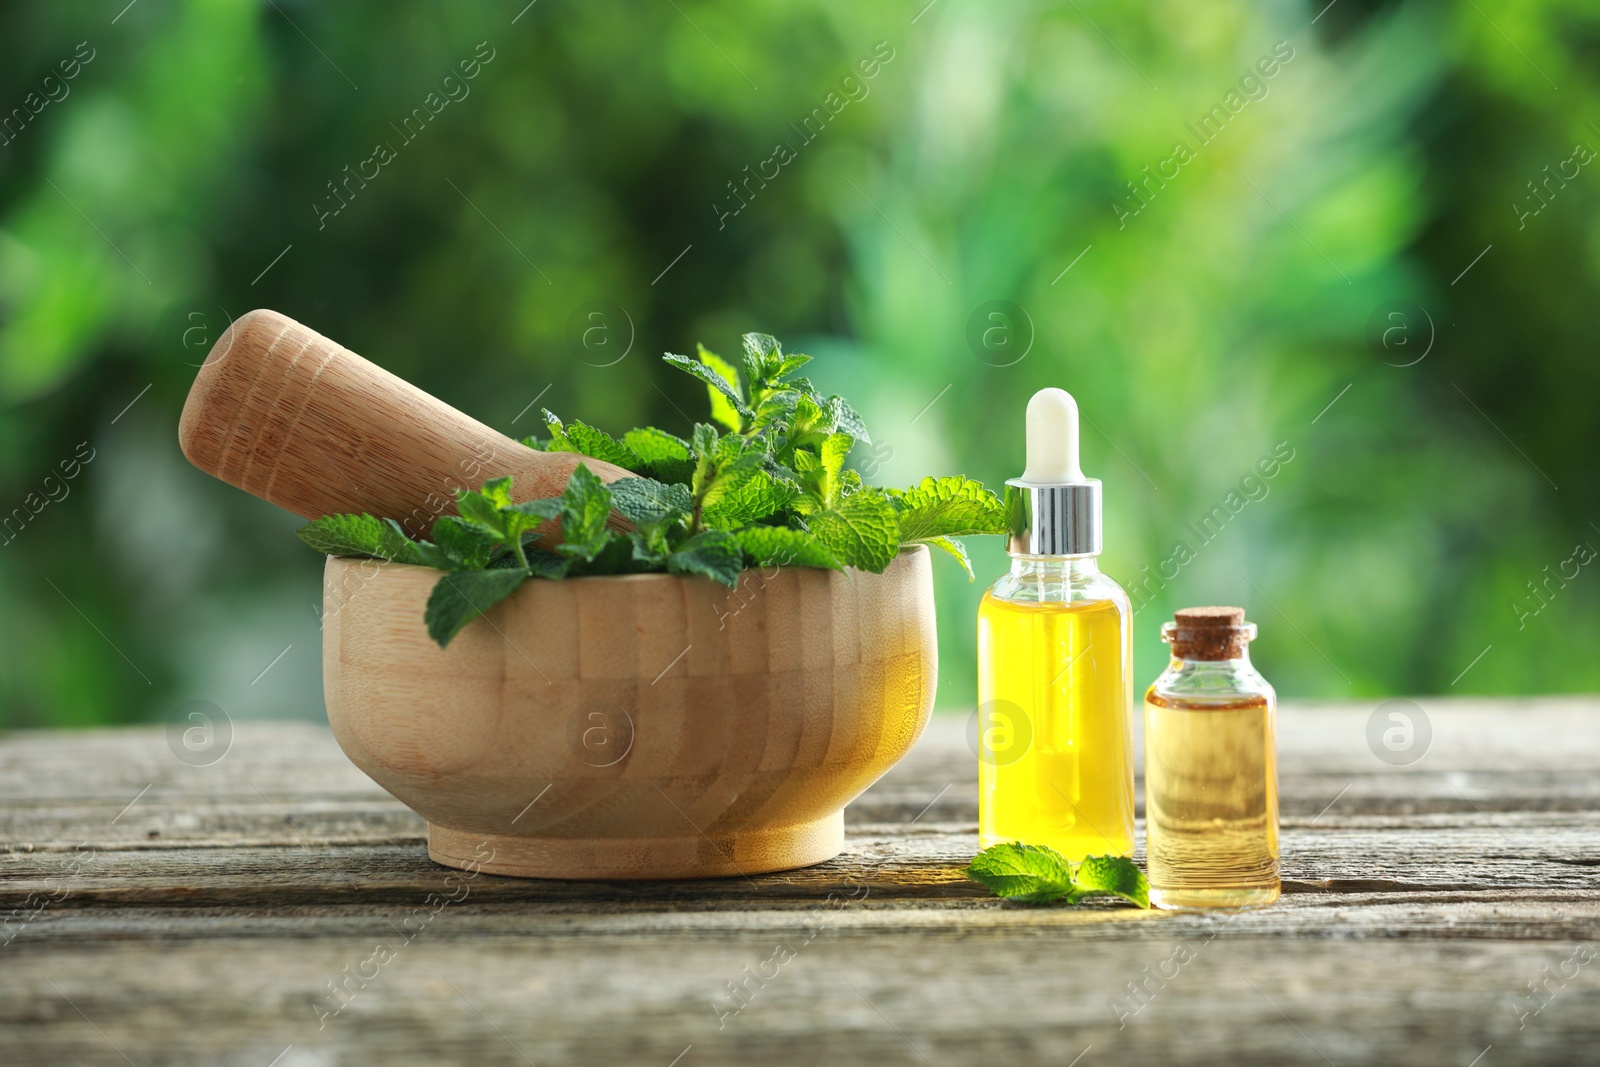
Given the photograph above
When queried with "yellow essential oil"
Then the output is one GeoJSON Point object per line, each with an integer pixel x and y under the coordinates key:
{"type": "Point", "coordinates": [1055, 753]}
{"type": "Point", "coordinates": [1056, 766]}
{"type": "Point", "coordinates": [1211, 769]}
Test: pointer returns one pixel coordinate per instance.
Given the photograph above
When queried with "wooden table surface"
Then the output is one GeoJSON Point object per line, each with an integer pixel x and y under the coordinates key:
{"type": "Point", "coordinates": [157, 912]}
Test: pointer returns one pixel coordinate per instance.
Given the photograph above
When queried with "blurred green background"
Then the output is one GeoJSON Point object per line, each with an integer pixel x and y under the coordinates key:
{"type": "Point", "coordinates": [1385, 264]}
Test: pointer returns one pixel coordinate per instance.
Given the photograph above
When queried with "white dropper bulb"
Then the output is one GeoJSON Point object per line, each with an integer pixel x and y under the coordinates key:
{"type": "Point", "coordinates": [1052, 439]}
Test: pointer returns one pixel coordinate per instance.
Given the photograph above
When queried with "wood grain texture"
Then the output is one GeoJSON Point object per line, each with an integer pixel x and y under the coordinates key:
{"type": "Point", "coordinates": [216, 910]}
{"type": "Point", "coordinates": [288, 415]}
{"type": "Point", "coordinates": [637, 726]}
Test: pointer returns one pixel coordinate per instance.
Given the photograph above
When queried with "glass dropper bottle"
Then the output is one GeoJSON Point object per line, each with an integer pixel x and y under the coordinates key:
{"type": "Point", "coordinates": [1054, 679]}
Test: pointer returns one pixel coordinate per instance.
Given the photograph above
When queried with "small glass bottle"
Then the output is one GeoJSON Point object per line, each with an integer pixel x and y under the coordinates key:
{"type": "Point", "coordinates": [1211, 769]}
{"type": "Point", "coordinates": [1055, 685]}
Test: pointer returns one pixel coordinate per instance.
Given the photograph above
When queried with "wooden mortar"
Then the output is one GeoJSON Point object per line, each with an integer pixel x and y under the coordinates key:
{"type": "Point", "coordinates": [636, 726]}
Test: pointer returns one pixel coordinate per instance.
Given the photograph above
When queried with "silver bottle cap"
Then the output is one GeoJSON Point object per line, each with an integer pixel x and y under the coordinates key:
{"type": "Point", "coordinates": [1053, 510]}
{"type": "Point", "coordinates": [1053, 520]}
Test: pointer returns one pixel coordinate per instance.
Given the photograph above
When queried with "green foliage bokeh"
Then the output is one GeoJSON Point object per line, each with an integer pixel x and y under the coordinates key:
{"type": "Point", "coordinates": [182, 176]}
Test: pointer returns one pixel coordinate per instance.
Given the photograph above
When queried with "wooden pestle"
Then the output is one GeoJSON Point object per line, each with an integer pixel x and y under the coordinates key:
{"type": "Point", "coordinates": [289, 416]}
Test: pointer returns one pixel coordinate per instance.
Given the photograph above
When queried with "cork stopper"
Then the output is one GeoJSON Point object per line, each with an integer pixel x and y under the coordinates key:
{"type": "Point", "coordinates": [1214, 633]}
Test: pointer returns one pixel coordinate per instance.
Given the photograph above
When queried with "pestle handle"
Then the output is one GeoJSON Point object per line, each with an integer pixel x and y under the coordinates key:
{"type": "Point", "coordinates": [287, 415]}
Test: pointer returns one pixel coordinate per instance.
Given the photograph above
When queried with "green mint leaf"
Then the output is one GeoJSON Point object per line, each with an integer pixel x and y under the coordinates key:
{"type": "Point", "coordinates": [862, 531]}
{"type": "Point", "coordinates": [775, 411]}
{"type": "Point", "coordinates": [360, 535]}
{"type": "Point", "coordinates": [1035, 874]}
{"type": "Point", "coordinates": [586, 440]}
{"type": "Point", "coordinates": [845, 419]}
{"type": "Point", "coordinates": [956, 549]}
{"type": "Point", "coordinates": [398, 545]}
{"type": "Point", "coordinates": [719, 386]}
{"type": "Point", "coordinates": [949, 507]}
{"type": "Point", "coordinates": [721, 464]}
{"type": "Point", "coordinates": [809, 424]}
{"type": "Point", "coordinates": [831, 457]}
{"type": "Point", "coordinates": [431, 556]}
{"type": "Point", "coordinates": [804, 386]}
{"type": "Point", "coordinates": [742, 489]}
{"type": "Point", "coordinates": [735, 449]}
{"type": "Point", "coordinates": [789, 365]}
{"type": "Point", "coordinates": [645, 501]}
{"type": "Point", "coordinates": [763, 356]}
{"type": "Point", "coordinates": [344, 535]}
{"type": "Point", "coordinates": [613, 555]}
{"type": "Point", "coordinates": [497, 491]}
{"type": "Point", "coordinates": [713, 553]}
{"type": "Point", "coordinates": [704, 440]}
{"type": "Point", "coordinates": [650, 545]}
{"type": "Point", "coordinates": [1028, 874]}
{"type": "Point", "coordinates": [541, 510]}
{"type": "Point", "coordinates": [533, 442]}
{"type": "Point", "coordinates": [492, 509]}
{"type": "Point", "coordinates": [585, 506]}
{"type": "Point", "coordinates": [1113, 876]}
{"type": "Point", "coordinates": [482, 509]}
{"type": "Point", "coordinates": [465, 546]}
{"type": "Point", "coordinates": [653, 445]}
{"type": "Point", "coordinates": [782, 473]}
{"type": "Point", "coordinates": [722, 408]}
{"type": "Point", "coordinates": [808, 471]}
{"type": "Point", "coordinates": [541, 563]}
{"type": "Point", "coordinates": [673, 471]}
{"type": "Point", "coordinates": [458, 597]}
{"type": "Point", "coordinates": [779, 546]}
{"type": "Point", "coordinates": [666, 457]}
{"type": "Point", "coordinates": [743, 497]}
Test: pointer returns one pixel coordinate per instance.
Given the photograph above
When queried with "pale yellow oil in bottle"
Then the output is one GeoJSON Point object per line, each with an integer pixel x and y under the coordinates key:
{"type": "Point", "coordinates": [1055, 764]}
{"type": "Point", "coordinates": [1211, 803]}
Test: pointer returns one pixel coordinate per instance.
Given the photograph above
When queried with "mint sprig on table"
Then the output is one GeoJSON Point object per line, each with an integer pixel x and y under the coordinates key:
{"type": "Point", "coordinates": [1036, 874]}
{"type": "Point", "coordinates": [765, 483]}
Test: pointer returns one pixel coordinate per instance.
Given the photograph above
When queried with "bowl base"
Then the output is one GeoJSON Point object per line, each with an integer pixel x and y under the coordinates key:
{"type": "Point", "coordinates": [743, 852]}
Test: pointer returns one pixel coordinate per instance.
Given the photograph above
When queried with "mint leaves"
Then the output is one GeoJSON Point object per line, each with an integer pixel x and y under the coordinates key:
{"type": "Point", "coordinates": [766, 482]}
{"type": "Point", "coordinates": [461, 596]}
{"type": "Point", "coordinates": [360, 535]}
{"type": "Point", "coordinates": [861, 530]}
{"type": "Point", "coordinates": [941, 509]}
{"type": "Point", "coordinates": [1035, 874]}
{"type": "Point", "coordinates": [947, 507]}
{"type": "Point", "coordinates": [1112, 876]}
